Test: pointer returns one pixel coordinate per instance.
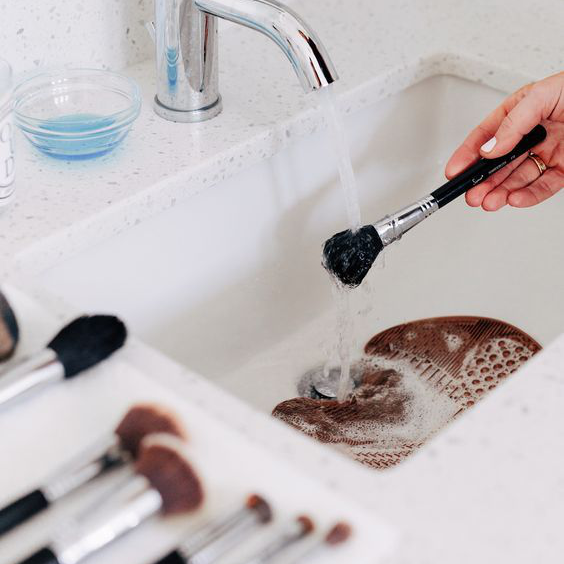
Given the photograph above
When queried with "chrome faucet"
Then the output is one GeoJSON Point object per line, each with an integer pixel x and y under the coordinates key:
{"type": "Point", "coordinates": [186, 41]}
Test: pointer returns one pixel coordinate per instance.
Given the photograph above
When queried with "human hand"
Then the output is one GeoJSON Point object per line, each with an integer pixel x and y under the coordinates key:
{"type": "Point", "coordinates": [520, 183]}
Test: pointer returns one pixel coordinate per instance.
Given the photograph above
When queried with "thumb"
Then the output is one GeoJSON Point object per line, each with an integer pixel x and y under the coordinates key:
{"type": "Point", "coordinates": [519, 121]}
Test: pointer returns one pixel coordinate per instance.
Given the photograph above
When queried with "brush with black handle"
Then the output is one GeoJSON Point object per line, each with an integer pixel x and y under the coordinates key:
{"type": "Point", "coordinates": [164, 483]}
{"type": "Point", "coordinates": [349, 255]}
{"type": "Point", "coordinates": [110, 453]}
{"type": "Point", "coordinates": [83, 343]}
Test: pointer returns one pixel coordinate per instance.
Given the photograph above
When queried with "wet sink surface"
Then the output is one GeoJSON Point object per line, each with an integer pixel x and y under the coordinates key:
{"type": "Point", "coordinates": [230, 283]}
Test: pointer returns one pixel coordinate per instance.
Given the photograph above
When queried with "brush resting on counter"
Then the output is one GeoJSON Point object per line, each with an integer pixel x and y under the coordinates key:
{"type": "Point", "coordinates": [112, 452]}
{"type": "Point", "coordinates": [218, 537]}
{"type": "Point", "coordinates": [337, 535]}
{"type": "Point", "coordinates": [83, 343]}
{"type": "Point", "coordinates": [273, 550]}
{"type": "Point", "coordinates": [164, 482]}
{"type": "Point", "coordinates": [349, 255]}
{"type": "Point", "coordinates": [9, 330]}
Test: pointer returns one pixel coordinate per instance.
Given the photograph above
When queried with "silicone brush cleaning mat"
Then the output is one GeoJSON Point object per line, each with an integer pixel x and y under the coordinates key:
{"type": "Point", "coordinates": [416, 378]}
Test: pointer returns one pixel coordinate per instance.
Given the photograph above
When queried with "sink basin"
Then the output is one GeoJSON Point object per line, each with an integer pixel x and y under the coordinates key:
{"type": "Point", "coordinates": [229, 282]}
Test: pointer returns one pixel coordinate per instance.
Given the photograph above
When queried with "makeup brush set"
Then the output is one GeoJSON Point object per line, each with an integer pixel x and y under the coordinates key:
{"type": "Point", "coordinates": [154, 476]}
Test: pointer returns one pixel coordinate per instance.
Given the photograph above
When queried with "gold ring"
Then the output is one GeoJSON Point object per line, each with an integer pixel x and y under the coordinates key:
{"type": "Point", "coordinates": [539, 162]}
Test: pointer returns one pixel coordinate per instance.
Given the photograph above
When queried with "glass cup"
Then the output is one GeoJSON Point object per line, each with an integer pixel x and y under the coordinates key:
{"type": "Point", "coordinates": [7, 161]}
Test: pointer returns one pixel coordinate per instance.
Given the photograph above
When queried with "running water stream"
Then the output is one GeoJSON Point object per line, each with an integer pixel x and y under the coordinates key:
{"type": "Point", "coordinates": [345, 318]}
{"type": "Point", "coordinates": [341, 149]}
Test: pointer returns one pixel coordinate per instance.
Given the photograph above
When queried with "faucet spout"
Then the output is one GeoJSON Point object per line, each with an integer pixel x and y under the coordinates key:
{"type": "Point", "coordinates": [286, 28]}
{"type": "Point", "coordinates": [186, 41]}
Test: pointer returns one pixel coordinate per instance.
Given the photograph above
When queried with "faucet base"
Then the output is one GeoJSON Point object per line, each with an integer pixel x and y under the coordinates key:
{"type": "Point", "coordinates": [191, 116]}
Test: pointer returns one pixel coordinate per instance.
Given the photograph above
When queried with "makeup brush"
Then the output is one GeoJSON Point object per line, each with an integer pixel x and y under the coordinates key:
{"type": "Point", "coordinates": [215, 539]}
{"type": "Point", "coordinates": [83, 343]}
{"type": "Point", "coordinates": [109, 453]}
{"type": "Point", "coordinates": [164, 482]}
{"type": "Point", "coordinates": [297, 531]}
{"type": "Point", "coordinates": [339, 534]}
{"type": "Point", "coordinates": [349, 255]}
{"type": "Point", "coordinates": [9, 330]}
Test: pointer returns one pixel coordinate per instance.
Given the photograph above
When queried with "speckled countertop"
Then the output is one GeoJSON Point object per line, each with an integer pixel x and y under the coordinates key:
{"type": "Point", "coordinates": [470, 496]}
{"type": "Point", "coordinates": [466, 481]}
{"type": "Point", "coordinates": [378, 48]}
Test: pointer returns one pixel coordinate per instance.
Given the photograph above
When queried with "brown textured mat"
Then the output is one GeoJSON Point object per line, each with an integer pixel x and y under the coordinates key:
{"type": "Point", "coordinates": [416, 378]}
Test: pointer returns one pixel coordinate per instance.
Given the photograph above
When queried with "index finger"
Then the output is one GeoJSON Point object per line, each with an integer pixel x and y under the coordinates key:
{"type": "Point", "coordinates": [469, 152]}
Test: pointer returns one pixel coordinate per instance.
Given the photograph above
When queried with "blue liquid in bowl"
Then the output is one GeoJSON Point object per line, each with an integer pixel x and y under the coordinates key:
{"type": "Point", "coordinates": [89, 136]}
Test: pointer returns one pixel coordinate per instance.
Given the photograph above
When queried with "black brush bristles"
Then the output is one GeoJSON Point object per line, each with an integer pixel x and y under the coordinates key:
{"type": "Point", "coordinates": [9, 330]}
{"type": "Point", "coordinates": [349, 255]}
{"type": "Point", "coordinates": [88, 340]}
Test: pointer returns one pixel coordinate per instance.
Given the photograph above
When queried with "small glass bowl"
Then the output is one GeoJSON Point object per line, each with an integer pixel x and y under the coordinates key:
{"type": "Point", "coordinates": [78, 113]}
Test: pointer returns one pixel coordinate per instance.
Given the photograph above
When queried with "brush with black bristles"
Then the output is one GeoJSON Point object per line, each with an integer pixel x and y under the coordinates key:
{"type": "Point", "coordinates": [164, 483]}
{"type": "Point", "coordinates": [349, 255]}
{"type": "Point", "coordinates": [215, 539]}
{"type": "Point", "coordinates": [111, 452]}
{"type": "Point", "coordinates": [297, 531]}
{"type": "Point", "coordinates": [83, 343]}
{"type": "Point", "coordinates": [337, 535]}
{"type": "Point", "coordinates": [9, 330]}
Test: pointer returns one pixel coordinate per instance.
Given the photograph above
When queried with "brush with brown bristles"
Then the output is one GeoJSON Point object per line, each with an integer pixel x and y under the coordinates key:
{"type": "Point", "coordinates": [111, 452]}
{"type": "Point", "coordinates": [294, 533]}
{"type": "Point", "coordinates": [164, 483]}
{"type": "Point", "coordinates": [215, 539]}
{"type": "Point", "coordinates": [337, 535]}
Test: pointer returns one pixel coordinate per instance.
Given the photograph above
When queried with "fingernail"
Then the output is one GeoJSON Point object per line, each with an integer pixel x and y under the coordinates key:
{"type": "Point", "coordinates": [489, 145]}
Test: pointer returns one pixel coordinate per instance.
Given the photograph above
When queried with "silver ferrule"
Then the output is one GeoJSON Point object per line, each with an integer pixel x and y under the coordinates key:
{"type": "Point", "coordinates": [293, 534]}
{"type": "Point", "coordinates": [219, 537]}
{"type": "Point", "coordinates": [30, 374]}
{"type": "Point", "coordinates": [85, 467]}
{"type": "Point", "coordinates": [92, 535]}
{"type": "Point", "coordinates": [392, 227]}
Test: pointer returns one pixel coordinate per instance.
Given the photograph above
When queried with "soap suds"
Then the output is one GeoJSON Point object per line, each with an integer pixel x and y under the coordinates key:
{"type": "Point", "coordinates": [393, 407]}
{"type": "Point", "coordinates": [416, 377]}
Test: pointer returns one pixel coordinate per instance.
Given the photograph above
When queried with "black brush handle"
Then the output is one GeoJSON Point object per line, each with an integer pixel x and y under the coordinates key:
{"type": "Point", "coordinates": [172, 558]}
{"type": "Point", "coordinates": [484, 168]}
{"type": "Point", "coordinates": [21, 510]}
{"type": "Point", "coordinates": [43, 556]}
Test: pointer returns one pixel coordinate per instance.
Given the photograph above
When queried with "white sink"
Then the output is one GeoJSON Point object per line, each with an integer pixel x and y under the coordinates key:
{"type": "Point", "coordinates": [229, 283]}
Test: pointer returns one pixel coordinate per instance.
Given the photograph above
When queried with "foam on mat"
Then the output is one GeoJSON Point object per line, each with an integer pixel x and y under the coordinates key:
{"type": "Point", "coordinates": [416, 378]}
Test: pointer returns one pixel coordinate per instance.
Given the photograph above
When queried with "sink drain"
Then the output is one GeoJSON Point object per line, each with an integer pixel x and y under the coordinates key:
{"type": "Point", "coordinates": [322, 383]}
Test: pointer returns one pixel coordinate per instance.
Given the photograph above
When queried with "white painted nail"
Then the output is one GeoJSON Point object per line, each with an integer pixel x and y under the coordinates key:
{"type": "Point", "coordinates": [489, 145]}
